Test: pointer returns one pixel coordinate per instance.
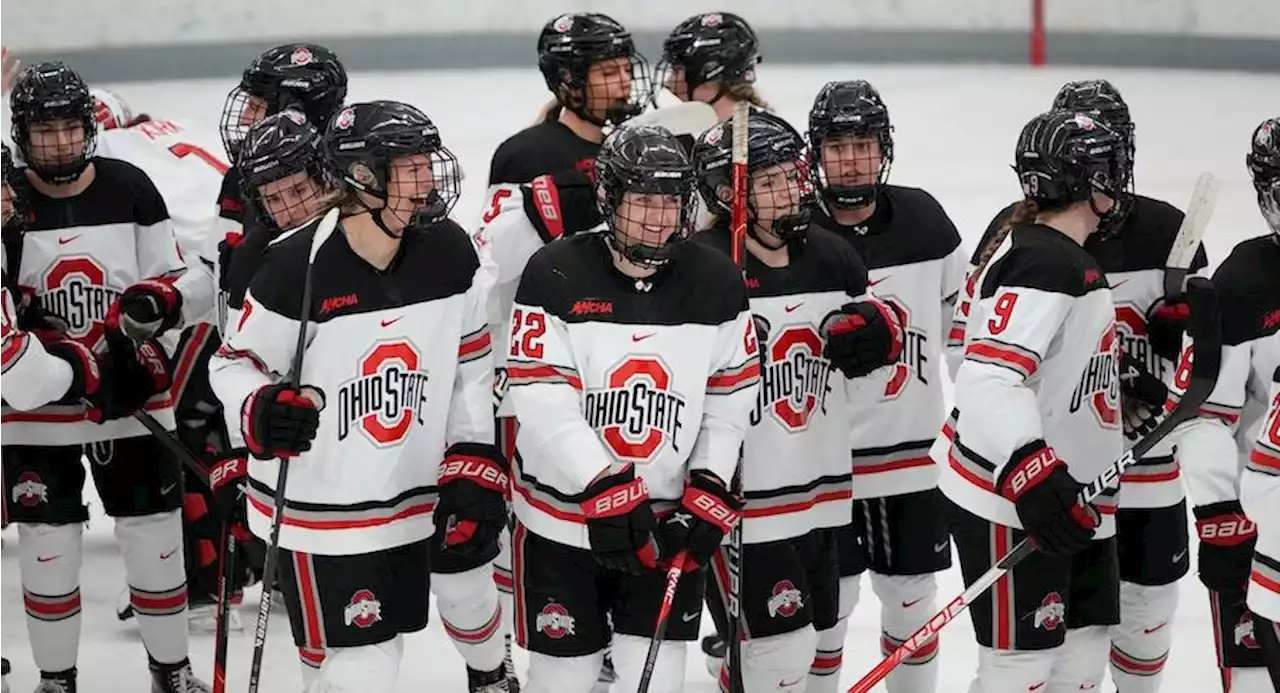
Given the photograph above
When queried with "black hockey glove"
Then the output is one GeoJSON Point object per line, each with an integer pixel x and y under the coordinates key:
{"type": "Point", "coordinates": [146, 309]}
{"type": "Point", "coordinates": [1142, 397]}
{"type": "Point", "coordinates": [86, 371]}
{"type": "Point", "coordinates": [1166, 323]}
{"type": "Point", "coordinates": [136, 374]}
{"type": "Point", "coordinates": [620, 522]}
{"type": "Point", "coordinates": [474, 486]}
{"type": "Point", "coordinates": [1227, 537]}
{"type": "Point", "coordinates": [561, 204]}
{"type": "Point", "coordinates": [707, 512]}
{"type": "Point", "coordinates": [228, 475]}
{"type": "Point", "coordinates": [280, 421]}
{"type": "Point", "coordinates": [863, 336]}
{"type": "Point", "coordinates": [1047, 499]}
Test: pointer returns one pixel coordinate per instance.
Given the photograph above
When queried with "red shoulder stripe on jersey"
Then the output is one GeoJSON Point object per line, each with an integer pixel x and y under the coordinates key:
{"type": "Point", "coordinates": [730, 380]}
{"type": "Point", "coordinates": [1017, 359]}
{"type": "Point", "coordinates": [475, 345]}
{"type": "Point", "coordinates": [1264, 461]}
{"type": "Point", "coordinates": [542, 373]}
{"type": "Point", "coordinates": [14, 348]}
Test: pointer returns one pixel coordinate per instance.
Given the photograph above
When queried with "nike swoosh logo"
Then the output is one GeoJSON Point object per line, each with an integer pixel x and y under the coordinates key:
{"type": "Point", "coordinates": [64, 241]}
{"type": "Point", "coordinates": [1149, 631]}
{"type": "Point", "coordinates": [688, 618]}
{"type": "Point", "coordinates": [389, 323]}
{"type": "Point", "coordinates": [164, 491]}
{"type": "Point", "coordinates": [1178, 556]}
{"type": "Point", "coordinates": [789, 684]}
{"type": "Point", "coordinates": [1120, 283]}
{"type": "Point", "coordinates": [792, 308]}
{"type": "Point", "coordinates": [46, 559]}
{"type": "Point", "coordinates": [166, 556]}
{"type": "Point", "coordinates": [939, 548]}
{"type": "Point", "coordinates": [913, 602]}
{"type": "Point", "coordinates": [1036, 687]}
{"type": "Point", "coordinates": [642, 337]}
{"type": "Point", "coordinates": [873, 283]}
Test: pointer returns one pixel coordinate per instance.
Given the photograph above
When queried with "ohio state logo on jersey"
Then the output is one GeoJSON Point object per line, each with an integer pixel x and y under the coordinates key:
{"type": "Point", "coordinates": [363, 611]}
{"type": "Point", "coordinates": [795, 380]}
{"type": "Point", "coordinates": [1131, 328]}
{"type": "Point", "coordinates": [554, 621]}
{"type": "Point", "coordinates": [1051, 612]}
{"type": "Point", "coordinates": [1099, 385]}
{"type": "Point", "coordinates": [75, 289]}
{"type": "Point", "coordinates": [30, 490]}
{"type": "Point", "coordinates": [785, 601]}
{"type": "Point", "coordinates": [913, 358]}
{"type": "Point", "coordinates": [387, 397]}
{"type": "Point", "coordinates": [636, 412]}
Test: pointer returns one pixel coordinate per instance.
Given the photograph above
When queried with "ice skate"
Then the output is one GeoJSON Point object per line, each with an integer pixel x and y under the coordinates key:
{"type": "Point", "coordinates": [61, 682]}
{"type": "Point", "coordinates": [176, 678]}
{"type": "Point", "coordinates": [488, 681]}
{"type": "Point", "coordinates": [713, 647]}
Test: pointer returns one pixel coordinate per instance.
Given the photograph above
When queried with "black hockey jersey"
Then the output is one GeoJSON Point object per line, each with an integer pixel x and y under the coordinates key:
{"type": "Point", "coordinates": [1134, 261]}
{"type": "Point", "coordinates": [795, 464]}
{"type": "Point", "coordinates": [403, 357]}
{"type": "Point", "coordinates": [1040, 364]}
{"type": "Point", "coordinates": [915, 259]}
{"type": "Point", "coordinates": [78, 255]}
{"type": "Point", "coordinates": [604, 370]}
{"type": "Point", "coordinates": [548, 147]}
{"type": "Point", "coordinates": [1214, 447]}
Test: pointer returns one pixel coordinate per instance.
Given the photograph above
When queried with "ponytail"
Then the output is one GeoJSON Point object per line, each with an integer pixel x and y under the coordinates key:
{"type": "Point", "coordinates": [1023, 212]}
{"type": "Point", "coordinates": [746, 91]}
{"type": "Point", "coordinates": [549, 112]}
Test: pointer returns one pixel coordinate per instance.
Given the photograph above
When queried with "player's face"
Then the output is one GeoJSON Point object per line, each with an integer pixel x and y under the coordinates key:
{"type": "Point", "coordinates": [851, 160]}
{"type": "Point", "coordinates": [56, 142]}
{"type": "Point", "coordinates": [292, 200]}
{"type": "Point", "coordinates": [608, 85]}
{"type": "Point", "coordinates": [674, 82]}
{"type": "Point", "coordinates": [649, 219]}
{"type": "Point", "coordinates": [411, 183]}
{"type": "Point", "coordinates": [776, 192]}
{"type": "Point", "coordinates": [255, 109]}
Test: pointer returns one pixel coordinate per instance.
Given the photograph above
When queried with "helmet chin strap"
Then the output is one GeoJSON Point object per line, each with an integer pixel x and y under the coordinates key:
{"type": "Point", "coordinates": [760, 237]}
{"type": "Point", "coordinates": [376, 213]}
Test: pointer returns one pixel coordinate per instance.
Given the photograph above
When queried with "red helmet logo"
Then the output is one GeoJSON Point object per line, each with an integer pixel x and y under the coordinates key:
{"type": "Point", "coordinates": [301, 56]}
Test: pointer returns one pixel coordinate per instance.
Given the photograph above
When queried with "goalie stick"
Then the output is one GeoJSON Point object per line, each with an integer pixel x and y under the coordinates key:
{"type": "Point", "coordinates": [1205, 327]}
{"type": "Point", "coordinates": [322, 233]}
{"type": "Point", "coordinates": [1187, 242]}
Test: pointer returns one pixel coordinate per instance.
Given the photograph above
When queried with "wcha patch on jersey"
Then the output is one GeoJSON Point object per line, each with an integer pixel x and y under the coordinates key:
{"type": "Point", "coordinates": [387, 396]}
{"type": "Point", "coordinates": [637, 412]}
{"type": "Point", "coordinates": [1099, 385]}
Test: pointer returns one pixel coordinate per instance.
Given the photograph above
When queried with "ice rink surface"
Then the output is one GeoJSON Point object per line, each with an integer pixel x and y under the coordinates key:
{"type": "Point", "coordinates": [955, 130]}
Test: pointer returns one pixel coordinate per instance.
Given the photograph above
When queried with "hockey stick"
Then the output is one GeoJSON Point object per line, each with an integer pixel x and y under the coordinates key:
{"type": "Point", "coordinates": [664, 616]}
{"type": "Point", "coordinates": [1205, 327]}
{"type": "Point", "coordinates": [1187, 242]}
{"type": "Point", "coordinates": [322, 233]}
{"type": "Point", "coordinates": [738, 238]}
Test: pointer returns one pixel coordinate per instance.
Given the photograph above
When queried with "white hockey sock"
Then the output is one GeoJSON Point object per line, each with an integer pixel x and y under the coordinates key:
{"type": "Point", "coordinates": [468, 606]}
{"type": "Point", "coordinates": [549, 674]}
{"type": "Point", "coordinates": [360, 669]}
{"type": "Point", "coordinates": [777, 663]}
{"type": "Point", "coordinates": [50, 564]}
{"type": "Point", "coordinates": [154, 566]}
{"type": "Point", "coordinates": [1140, 643]}
{"type": "Point", "coordinates": [1001, 671]}
{"type": "Point", "coordinates": [310, 660]}
{"type": "Point", "coordinates": [1081, 662]}
{"type": "Point", "coordinates": [629, 652]}
{"type": "Point", "coordinates": [906, 603]}
{"type": "Point", "coordinates": [824, 672]}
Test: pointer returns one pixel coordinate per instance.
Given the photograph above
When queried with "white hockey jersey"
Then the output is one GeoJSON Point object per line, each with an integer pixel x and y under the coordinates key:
{"type": "Point", "coordinates": [915, 260]}
{"type": "Point", "coordinates": [604, 370]}
{"type": "Point", "coordinates": [1260, 498]}
{"type": "Point", "coordinates": [1040, 363]}
{"type": "Point", "coordinates": [78, 255]}
{"type": "Point", "coordinates": [31, 377]}
{"type": "Point", "coordinates": [404, 360]}
{"type": "Point", "coordinates": [1214, 448]}
{"type": "Point", "coordinates": [1133, 260]}
{"type": "Point", "coordinates": [795, 467]}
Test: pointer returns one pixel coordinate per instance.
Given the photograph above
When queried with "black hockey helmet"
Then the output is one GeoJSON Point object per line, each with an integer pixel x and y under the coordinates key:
{"type": "Point", "coordinates": [302, 76]}
{"type": "Point", "coordinates": [363, 142]}
{"type": "Point", "coordinates": [1263, 161]}
{"type": "Point", "coordinates": [718, 47]}
{"type": "Point", "coordinates": [275, 148]}
{"type": "Point", "coordinates": [849, 108]}
{"type": "Point", "coordinates": [771, 141]}
{"type": "Point", "coordinates": [45, 93]}
{"type": "Point", "coordinates": [648, 160]}
{"type": "Point", "coordinates": [570, 45]}
{"type": "Point", "coordinates": [1101, 100]}
{"type": "Point", "coordinates": [1063, 157]}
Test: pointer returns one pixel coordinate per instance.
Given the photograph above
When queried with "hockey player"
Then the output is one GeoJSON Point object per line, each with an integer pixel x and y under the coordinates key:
{"type": "Point", "coordinates": [913, 253]}
{"type": "Point", "coordinates": [1259, 496]}
{"type": "Point", "coordinates": [813, 316]}
{"type": "Point", "coordinates": [712, 58]}
{"type": "Point", "coordinates": [1037, 409]}
{"type": "Point", "coordinates": [1131, 246]}
{"type": "Point", "coordinates": [99, 256]}
{"type": "Point", "coordinates": [397, 269]}
{"type": "Point", "coordinates": [1215, 446]}
{"type": "Point", "coordinates": [633, 367]}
